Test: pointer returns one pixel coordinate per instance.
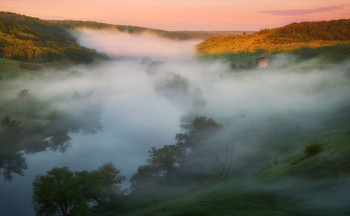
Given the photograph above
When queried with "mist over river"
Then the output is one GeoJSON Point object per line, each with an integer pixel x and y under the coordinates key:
{"type": "Point", "coordinates": [116, 110]}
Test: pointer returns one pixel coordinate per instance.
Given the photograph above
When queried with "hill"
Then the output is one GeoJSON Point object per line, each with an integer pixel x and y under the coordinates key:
{"type": "Point", "coordinates": [173, 35]}
{"type": "Point", "coordinates": [31, 39]}
{"type": "Point", "coordinates": [287, 182]}
{"type": "Point", "coordinates": [290, 37]}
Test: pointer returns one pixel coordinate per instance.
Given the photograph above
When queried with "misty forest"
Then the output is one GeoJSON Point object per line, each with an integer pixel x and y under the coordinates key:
{"type": "Point", "coordinates": [100, 119]}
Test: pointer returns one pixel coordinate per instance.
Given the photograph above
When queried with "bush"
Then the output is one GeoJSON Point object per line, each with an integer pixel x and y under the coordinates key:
{"type": "Point", "coordinates": [313, 149]}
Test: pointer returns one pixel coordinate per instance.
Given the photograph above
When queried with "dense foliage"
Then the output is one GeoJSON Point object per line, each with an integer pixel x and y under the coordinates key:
{"type": "Point", "coordinates": [174, 164]}
{"type": "Point", "coordinates": [335, 30]}
{"type": "Point", "coordinates": [30, 39]}
{"type": "Point", "coordinates": [64, 192]}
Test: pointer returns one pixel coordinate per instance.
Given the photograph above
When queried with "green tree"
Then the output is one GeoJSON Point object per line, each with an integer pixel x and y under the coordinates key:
{"type": "Point", "coordinates": [63, 192]}
{"type": "Point", "coordinates": [59, 192]}
{"type": "Point", "coordinates": [105, 184]}
{"type": "Point", "coordinates": [167, 159]}
{"type": "Point", "coordinates": [143, 177]}
{"type": "Point", "coordinates": [201, 129]}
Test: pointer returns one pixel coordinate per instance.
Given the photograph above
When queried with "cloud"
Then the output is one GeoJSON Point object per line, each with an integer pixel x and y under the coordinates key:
{"type": "Point", "coordinates": [301, 12]}
{"type": "Point", "coordinates": [117, 44]}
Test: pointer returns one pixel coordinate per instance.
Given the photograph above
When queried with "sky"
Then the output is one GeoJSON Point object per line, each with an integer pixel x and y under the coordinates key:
{"type": "Point", "coordinates": [185, 14]}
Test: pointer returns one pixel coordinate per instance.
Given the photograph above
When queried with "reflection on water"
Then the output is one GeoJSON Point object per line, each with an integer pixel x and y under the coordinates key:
{"type": "Point", "coordinates": [32, 126]}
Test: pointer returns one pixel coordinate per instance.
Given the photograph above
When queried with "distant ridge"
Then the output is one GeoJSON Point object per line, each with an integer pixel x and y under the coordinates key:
{"type": "Point", "coordinates": [30, 39]}
{"type": "Point", "coordinates": [173, 35]}
{"type": "Point", "coordinates": [289, 37]}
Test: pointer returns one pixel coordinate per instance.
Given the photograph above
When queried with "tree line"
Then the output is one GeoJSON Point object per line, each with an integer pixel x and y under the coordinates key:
{"type": "Point", "coordinates": [61, 191]}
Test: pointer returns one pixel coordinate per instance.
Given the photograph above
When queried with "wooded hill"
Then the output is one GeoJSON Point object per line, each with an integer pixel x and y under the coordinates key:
{"type": "Point", "coordinates": [30, 39]}
{"type": "Point", "coordinates": [173, 35]}
{"type": "Point", "coordinates": [290, 37]}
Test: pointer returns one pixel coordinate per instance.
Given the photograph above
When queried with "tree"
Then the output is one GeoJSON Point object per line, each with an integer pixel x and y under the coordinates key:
{"type": "Point", "coordinates": [173, 163]}
{"type": "Point", "coordinates": [201, 129]}
{"type": "Point", "coordinates": [58, 192]}
{"type": "Point", "coordinates": [167, 159]}
{"type": "Point", "coordinates": [144, 176]}
{"type": "Point", "coordinates": [202, 123]}
{"type": "Point", "coordinates": [105, 184]}
{"type": "Point", "coordinates": [68, 193]}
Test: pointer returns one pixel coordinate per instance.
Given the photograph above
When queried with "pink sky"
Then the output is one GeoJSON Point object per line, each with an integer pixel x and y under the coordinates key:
{"type": "Point", "coordinates": [185, 14]}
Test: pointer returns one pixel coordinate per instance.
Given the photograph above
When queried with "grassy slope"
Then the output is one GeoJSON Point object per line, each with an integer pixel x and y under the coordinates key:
{"type": "Point", "coordinates": [333, 161]}
{"type": "Point", "coordinates": [173, 35]}
{"type": "Point", "coordinates": [290, 37]}
{"type": "Point", "coordinates": [271, 186]}
{"type": "Point", "coordinates": [12, 68]}
{"type": "Point", "coordinates": [255, 193]}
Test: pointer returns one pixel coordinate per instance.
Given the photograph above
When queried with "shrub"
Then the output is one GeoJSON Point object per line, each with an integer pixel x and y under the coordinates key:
{"type": "Point", "coordinates": [313, 149]}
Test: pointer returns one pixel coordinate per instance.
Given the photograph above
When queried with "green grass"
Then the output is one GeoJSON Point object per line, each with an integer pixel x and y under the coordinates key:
{"type": "Point", "coordinates": [286, 182]}
{"type": "Point", "coordinates": [12, 68]}
{"type": "Point", "coordinates": [233, 197]}
{"type": "Point", "coordinates": [333, 161]}
{"type": "Point", "coordinates": [268, 190]}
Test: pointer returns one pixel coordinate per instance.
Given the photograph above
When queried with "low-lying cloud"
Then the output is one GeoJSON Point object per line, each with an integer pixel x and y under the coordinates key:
{"type": "Point", "coordinates": [121, 44]}
{"type": "Point", "coordinates": [301, 12]}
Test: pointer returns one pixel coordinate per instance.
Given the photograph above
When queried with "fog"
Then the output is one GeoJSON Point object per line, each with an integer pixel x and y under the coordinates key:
{"type": "Point", "coordinates": [121, 44]}
{"type": "Point", "coordinates": [139, 98]}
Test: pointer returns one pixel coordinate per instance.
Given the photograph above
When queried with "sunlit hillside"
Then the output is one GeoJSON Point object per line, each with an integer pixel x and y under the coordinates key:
{"type": "Point", "coordinates": [31, 39]}
{"type": "Point", "coordinates": [290, 37]}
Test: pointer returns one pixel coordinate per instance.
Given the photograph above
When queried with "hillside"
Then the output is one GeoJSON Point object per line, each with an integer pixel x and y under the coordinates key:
{"type": "Point", "coordinates": [290, 37]}
{"type": "Point", "coordinates": [173, 35]}
{"type": "Point", "coordinates": [30, 39]}
{"type": "Point", "coordinates": [280, 184]}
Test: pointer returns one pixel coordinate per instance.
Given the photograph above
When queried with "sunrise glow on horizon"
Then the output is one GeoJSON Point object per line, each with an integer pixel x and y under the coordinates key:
{"type": "Point", "coordinates": [185, 15]}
